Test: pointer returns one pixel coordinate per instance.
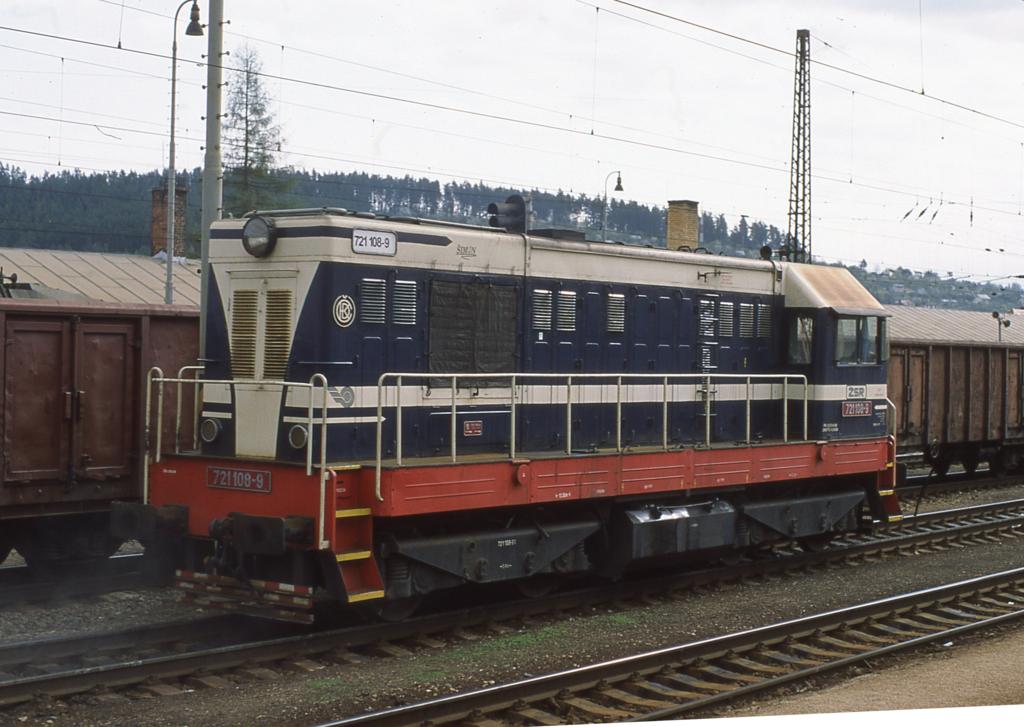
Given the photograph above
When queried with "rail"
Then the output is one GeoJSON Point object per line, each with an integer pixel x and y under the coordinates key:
{"type": "Point", "coordinates": [155, 377]}
{"type": "Point", "coordinates": [701, 383]}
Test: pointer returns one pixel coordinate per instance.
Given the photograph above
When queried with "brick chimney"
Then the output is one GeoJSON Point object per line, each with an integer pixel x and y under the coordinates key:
{"type": "Point", "coordinates": [682, 225]}
{"type": "Point", "coordinates": [158, 225]}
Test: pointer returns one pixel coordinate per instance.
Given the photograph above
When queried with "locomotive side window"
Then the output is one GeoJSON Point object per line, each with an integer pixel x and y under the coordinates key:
{"type": "Point", "coordinates": [861, 340]}
{"type": "Point", "coordinates": [846, 340]}
{"type": "Point", "coordinates": [869, 340]}
{"type": "Point", "coordinates": [801, 336]}
{"type": "Point", "coordinates": [472, 328]}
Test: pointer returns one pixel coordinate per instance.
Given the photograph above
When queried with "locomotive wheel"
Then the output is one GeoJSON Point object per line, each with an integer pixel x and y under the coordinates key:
{"type": "Point", "coordinates": [815, 543]}
{"type": "Point", "coordinates": [399, 609]}
{"type": "Point", "coordinates": [536, 586]}
{"type": "Point", "coordinates": [970, 463]}
{"type": "Point", "coordinates": [941, 467]}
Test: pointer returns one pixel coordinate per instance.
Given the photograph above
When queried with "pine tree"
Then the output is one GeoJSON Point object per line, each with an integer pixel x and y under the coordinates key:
{"type": "Point", "coordinates": [252, 141]}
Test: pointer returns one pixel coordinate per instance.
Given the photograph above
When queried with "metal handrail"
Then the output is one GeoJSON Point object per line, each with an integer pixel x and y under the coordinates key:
{"type": "Point", "coordinates": [697, 380]}
{"type": "Point", "coordinates": [195, 410]}
{"type": "Point", "coordinates": [145, 430]}
{"type": "Point", "coordinates": [156, 376]}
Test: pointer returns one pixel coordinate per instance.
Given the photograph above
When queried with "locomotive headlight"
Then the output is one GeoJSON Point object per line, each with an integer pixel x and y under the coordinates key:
{"type": "Point", "coordinates": [209, 430]}
{"type": "Point", "coordinates": [259, 236]}
{"type": "Point", "coordinates": [298, 436]}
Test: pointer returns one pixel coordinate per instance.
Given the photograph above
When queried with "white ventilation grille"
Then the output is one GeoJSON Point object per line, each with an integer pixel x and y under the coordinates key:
{"type": "Point", "coordinates": [244, 313]}
{"type": "Point", "coordinates": [725, 319]}
{"type": "Point", "coordinates": [373, 301]}
{"type": "Point", "coordinates": [707, 358]}
{"type": "Point", "coordinates": [277, 334]}
{"type": "Point", "coordinates": [542, 310]}
{"type": "Point", "coordinates": [706, 318]}
{"type": "Point", "coordinates": [567, 310]}
{"type": "Point", "coordinates": [746, 320]}
{"type": "Point", "coordinates": [616, 313]}
{"type": "Point", "coordinates": [764, 320]}
{"type": "Point", "coordinates": [403, 308]}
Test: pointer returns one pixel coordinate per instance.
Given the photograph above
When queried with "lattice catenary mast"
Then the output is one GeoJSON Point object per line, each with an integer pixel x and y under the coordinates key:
{"type": "Point", "coordinates": [798, 239]}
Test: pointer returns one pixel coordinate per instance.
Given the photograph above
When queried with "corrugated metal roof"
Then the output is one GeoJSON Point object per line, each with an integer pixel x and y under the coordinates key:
{"type": "Point", "coordinates": [820, 286]}
{"type": "Point", "coordinates": [111, 277]}
{"type": "Point", "coordinates": [937, 326]}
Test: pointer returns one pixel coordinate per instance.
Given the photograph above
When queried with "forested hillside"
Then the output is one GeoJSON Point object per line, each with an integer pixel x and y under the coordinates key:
{"type": "Point", "coordinates": [110, 212]}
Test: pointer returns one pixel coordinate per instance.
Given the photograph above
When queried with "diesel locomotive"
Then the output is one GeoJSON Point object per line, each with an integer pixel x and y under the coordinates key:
{"type": "Point", "coordinates": [391, 407]}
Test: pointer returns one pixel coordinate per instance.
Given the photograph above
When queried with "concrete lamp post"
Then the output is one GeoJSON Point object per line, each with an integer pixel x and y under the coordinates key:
{"type": "Point", "coordinates": [194, 28]}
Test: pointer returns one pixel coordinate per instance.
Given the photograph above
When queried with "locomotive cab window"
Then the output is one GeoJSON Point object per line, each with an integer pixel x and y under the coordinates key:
{"type": "Point", "coordinates": [801, 336]}
{"type": "Point", "coordinates": [861, 340]}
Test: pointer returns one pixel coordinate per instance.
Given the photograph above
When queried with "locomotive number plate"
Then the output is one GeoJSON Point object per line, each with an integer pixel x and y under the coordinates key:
{"type": "Point", "coordinates": [857, 408]}
{"type": "Point", "coordinates": [374, 242]}
{"type": "Point", "coordinates": [230, 478]}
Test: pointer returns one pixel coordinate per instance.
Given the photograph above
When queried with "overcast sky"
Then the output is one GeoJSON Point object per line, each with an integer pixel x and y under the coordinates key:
{"type": "Point", "coordinates": [685, 113]}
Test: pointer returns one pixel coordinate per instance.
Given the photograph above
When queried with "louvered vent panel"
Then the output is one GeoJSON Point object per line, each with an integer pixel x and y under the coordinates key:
{"type": "Point", "coordinates": [764, 320]}
{"type": "Point", "coordinates": [706, 315]}
{"type": "Point", "coordinates": [373, 301]}
{"type": "Point", "coordinates": [616, 313]}
{"type": "Point", "coordinates": [566, 310]}
{"type": "Point", "coordinates": [403, 306]}
{"type": "Point", "coordinates": [542, 310]}
{"type": "Point", "coordinates": [244, 313]}
{"type": "Point", "coordinates": [277, 334]}
{"type": "Point", "coordinates": [725, 319]}
{"type": "Point", "coordinates": [746, 320]}
{"type": "Point", "coordinates": [707, 360]}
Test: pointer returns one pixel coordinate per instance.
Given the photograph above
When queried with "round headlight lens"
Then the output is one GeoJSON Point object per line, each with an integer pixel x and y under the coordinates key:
{"type": "Point", "coordinates": [259, 236]}
{"type": "Point", "coordinates": [209, 430]}
{"type": "Point", "coordinates": [298, 436]}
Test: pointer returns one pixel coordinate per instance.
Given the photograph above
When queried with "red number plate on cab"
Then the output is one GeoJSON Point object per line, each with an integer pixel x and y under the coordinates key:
{"type": "Point", "coordinates": [857, 408]}
{"type": "Point", "coordinates": [230, 478]}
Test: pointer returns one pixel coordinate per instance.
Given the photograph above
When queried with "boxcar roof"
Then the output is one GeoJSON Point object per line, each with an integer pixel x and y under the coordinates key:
{"type": "Point", "coordinates": [910, 324]}
{"type": "Point", "coordinates": [111, 277]}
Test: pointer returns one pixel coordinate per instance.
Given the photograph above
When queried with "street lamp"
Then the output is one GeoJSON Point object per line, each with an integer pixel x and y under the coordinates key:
{"type": "Point", "coordinates": [194, 28]}
{"type": "Point", "coordinates": [618, 188]}
{"type": "Point", "coordinates": [1001, 323]}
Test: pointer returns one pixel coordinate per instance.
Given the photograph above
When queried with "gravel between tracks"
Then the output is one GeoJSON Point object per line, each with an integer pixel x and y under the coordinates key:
{"type": "Point", "coordinates": [338, 690]}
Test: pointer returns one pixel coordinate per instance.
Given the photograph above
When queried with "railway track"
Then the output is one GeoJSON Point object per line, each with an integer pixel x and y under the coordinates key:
{"type": "Point", "coordinates": [667, 683]}
{"type": "Point", "coordinates": [19, 585]}
{"type": "Point", "coordinates": [196, 651]}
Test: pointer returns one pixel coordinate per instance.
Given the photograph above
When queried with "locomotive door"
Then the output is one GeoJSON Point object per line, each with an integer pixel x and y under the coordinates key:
{"type": "Point", "coordinates": [104, 382]}
{"type": "Point", "coordinates": [260, 317]}
{"type": "Point", "coordinates": [40, 401]}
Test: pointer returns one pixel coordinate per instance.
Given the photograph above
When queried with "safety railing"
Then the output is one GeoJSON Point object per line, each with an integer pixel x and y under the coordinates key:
{"type": "Point", "coordinates": [197, 388]}
{"type": "Point", "coordinates": [701, 383]}
{"type": "Point", "coordinates": [155, 377]}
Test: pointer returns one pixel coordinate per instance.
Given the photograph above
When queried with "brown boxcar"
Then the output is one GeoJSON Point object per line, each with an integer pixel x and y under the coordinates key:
{"type": "Point", "coordinates": [72, 414]}
{"type": "Point", "coordinates": [957, 387]}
